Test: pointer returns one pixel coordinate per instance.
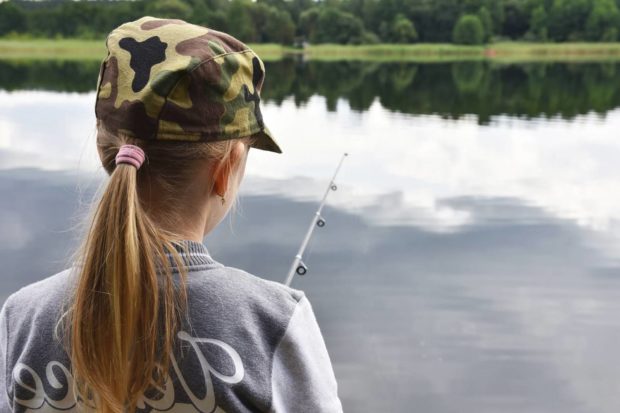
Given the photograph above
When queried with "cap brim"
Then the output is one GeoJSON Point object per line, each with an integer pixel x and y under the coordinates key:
{"type": "Point", "coordinates": [266, 141]}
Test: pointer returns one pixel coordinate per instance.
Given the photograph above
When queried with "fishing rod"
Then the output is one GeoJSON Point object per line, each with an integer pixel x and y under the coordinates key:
{"type": "Point", "coordinates": [298, 265]}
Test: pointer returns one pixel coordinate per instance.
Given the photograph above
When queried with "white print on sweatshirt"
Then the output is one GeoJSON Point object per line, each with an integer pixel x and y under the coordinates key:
{"type": "Point", "coordinates": [164, 403]}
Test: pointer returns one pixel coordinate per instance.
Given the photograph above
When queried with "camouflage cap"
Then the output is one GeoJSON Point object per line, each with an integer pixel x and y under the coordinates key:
{"type": "Point", "coordinates": [167, 79]}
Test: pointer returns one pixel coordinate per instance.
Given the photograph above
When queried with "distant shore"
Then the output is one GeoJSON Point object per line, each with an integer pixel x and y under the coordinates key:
{"type": "Point", "coordinates": [77, 49]}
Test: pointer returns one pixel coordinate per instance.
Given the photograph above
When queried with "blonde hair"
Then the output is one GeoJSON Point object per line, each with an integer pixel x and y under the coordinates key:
{"type": "Point", "coordinates": [124, 313]}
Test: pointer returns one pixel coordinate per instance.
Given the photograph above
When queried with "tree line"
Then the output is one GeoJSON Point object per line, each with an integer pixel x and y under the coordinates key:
{"type": "Point", "coordinates": [293, 22]}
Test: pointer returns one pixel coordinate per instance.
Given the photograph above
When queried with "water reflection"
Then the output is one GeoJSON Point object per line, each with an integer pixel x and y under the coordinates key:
{"type": "Point", "coordinates": [60, 76]}
{"type": "Point", "coordinates": [452, 90]}
{"type": "Point", "coordinates": [400, 167]}
{"type": "Point", "coordinates": [512, 314]}
{"type": "Point", "coordinates": [471, 257]}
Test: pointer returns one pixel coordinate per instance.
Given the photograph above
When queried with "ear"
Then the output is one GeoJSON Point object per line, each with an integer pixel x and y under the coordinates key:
{"type": "Point", "coordinates": [221, 177]}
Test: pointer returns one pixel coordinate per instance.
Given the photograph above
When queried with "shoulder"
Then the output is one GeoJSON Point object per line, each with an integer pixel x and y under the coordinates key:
{"type": "Point", "coordinates": [253, 284]}
{"type": "Point", "coordinates": [29, 316]}
{"type": "Point", "coordinates": [243, 284]}
{"type": "Point", "coordinates": [254, 304]}
{"type": "Point", "coordinates": [33, 298]}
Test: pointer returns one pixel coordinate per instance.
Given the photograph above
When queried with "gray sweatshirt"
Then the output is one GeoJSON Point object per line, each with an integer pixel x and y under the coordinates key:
{"type": "Point", "coordinates": [251, 345]}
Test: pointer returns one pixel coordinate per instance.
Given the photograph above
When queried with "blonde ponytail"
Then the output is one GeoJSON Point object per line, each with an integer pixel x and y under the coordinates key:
{"type": "Point", "coordinates": [127, 306]}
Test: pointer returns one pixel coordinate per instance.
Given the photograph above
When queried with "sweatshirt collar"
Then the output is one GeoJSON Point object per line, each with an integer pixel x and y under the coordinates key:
{"type": "Point", "coordinates": [195, 255]}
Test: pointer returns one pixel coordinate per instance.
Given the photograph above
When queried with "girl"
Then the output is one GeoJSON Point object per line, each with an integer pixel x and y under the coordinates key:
{"type": "Point", "coordinates": [145, 319]}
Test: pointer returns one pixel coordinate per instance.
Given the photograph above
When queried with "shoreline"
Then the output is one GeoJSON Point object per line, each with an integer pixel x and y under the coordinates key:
{"type": "Point", "coordinates": [77, 49]}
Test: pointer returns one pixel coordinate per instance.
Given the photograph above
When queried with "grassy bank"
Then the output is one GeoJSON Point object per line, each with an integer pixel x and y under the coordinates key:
{"type": "Point", "coordinates": [506, 51]}
{"type": "Point", "coordinates": [65, 49]}
{"type": "Point", "coordinates": [553, 51]}
{"type": "Point", "coordinates": [75, 49]}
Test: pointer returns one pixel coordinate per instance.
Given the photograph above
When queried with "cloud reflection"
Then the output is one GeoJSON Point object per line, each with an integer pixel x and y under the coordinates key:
{"type": "Point", "coordinates": [400, 165]}
{"type": "Point", "coordinates": [507, 314]}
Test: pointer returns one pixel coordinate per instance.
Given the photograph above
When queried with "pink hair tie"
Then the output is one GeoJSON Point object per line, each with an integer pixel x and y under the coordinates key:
{"type": "Point", "coordinates": [131, 154]}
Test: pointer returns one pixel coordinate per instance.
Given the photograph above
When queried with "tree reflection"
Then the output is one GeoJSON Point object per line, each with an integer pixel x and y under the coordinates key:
{"type": "Point", "coordinates": [452, 90]}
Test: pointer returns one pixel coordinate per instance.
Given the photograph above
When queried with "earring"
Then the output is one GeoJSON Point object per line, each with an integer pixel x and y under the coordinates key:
{"type": "Point", "coordinates": [223, 200]}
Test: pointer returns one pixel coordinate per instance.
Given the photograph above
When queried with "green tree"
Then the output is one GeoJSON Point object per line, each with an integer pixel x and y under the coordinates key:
{"type": "Point", "coordinates": [239, 20]}
{"type": "Point", "coordinates": [12, 18]}
{"type": "Point", "coordinates": [603, 21]}
{"type": "Point", "coordinates": [279, 27]}
{"type": "Point", "coordinates": [435, 19]}
{"type": "Point", "coordinates": [468, 30]}
{"type": "Point", "coordinates": [341, 21]}
{"type": "Point", "coordinates": [296, 7]}
{"type": "Point", "coordinates": [335, 26]}
{"type": "Point", "coordinates": [308, 21]}
{"type": "Point", "coordinates": [490, 12]}
{"type": "Point", "coordinates": [538, 23]}
{"type": "Point", "coordinates": [259, 13]}
{"type": "Point", "coordinates": [369, 37]}
{"type": "Point", "coordinates": [217, 20]}
{"type": "Point", "coordinates": [567, 19]}
{"type": "Point", "coordinates": [204, 15]}
{"type": "Point", "coordinates": [176, 9]}
{"type": "Point", "coordinates": [272, 24]}
{"type": "Point", "coordinates": [487, 24]}
{"type": "Point", "coordinates": [403, 30]}
{"type": "Point", "coordinates": [498, 15]}
{"type": "Point", "coordinates": [516, 18]}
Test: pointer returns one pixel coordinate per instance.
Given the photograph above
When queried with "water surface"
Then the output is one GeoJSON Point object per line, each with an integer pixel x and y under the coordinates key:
{"type": "Point", "coordinates": [471, 254]}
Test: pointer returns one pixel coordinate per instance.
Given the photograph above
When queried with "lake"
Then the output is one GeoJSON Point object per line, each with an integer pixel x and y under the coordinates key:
{"type": "Point", "coordinates": [470, 261]}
